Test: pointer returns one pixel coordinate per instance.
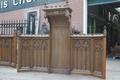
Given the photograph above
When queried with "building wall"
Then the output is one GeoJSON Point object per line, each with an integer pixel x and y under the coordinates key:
{"type": "Point", "coordinates": [75, 5]}
{"type": "Point", "coordinates": [77, 14]}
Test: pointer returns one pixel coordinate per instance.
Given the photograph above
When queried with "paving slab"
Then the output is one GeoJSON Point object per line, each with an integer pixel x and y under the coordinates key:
{"type": "Point", "coordinates": [9, 73]}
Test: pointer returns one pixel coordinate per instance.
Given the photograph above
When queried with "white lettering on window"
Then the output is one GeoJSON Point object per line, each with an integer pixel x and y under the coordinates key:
{"type": "Point", "coordinates": [1, 5]}
{"type": "Point", "coordinates": [5, 4]}
{"type": "Point", "coordinates": [15, 2]}
{"type": "Point", "coordinates": [28, 1]}
{"type": "Point", "coordinates": [20, 1]}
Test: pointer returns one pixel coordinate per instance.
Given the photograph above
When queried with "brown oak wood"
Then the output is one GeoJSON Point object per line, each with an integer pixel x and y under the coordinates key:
{"type": "Point", "coordinates": [60, 43]}
{"type": "Point", "coordinates": [59, 52]}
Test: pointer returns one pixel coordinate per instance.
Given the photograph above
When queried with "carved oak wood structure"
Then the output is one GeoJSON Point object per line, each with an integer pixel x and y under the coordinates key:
{"type": "Point", "coordinates": [60, 51]}
{"type": "Point", "coordinates": [59, 39]}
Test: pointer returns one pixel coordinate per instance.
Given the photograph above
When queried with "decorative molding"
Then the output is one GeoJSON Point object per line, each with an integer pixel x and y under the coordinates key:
{"type": "Point", "coordinates": [81, 44]}
{"type": "Point", "coordinates": [58, 11]}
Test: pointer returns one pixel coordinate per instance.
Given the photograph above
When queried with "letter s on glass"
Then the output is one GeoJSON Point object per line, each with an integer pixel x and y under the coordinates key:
{"type": "Point", "coordinates": [5, 4]}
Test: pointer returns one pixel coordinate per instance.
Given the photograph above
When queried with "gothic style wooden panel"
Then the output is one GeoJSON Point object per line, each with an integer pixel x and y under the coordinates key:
{"type": "Point", "coordinates": [88, 55]}
{"type": "Point", "coordinates": [33, 53]}
{"type": "Point", "coordinates": [7, 50]}
{"type": "Point", "coordinates": [80, 49]}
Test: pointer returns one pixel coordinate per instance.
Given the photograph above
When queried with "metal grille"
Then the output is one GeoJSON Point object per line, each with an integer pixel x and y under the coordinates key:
{"type": "Point", "coordinates": [10, 27]}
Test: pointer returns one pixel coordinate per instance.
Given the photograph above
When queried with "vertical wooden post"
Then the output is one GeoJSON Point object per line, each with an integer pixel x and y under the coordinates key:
{"type": "Point", "coordinates": [104, 54]}
{"type": "Point", "coordinates": [50, 47]}
{"type": "Point", "coordinates": [70, 57]}
{"type": "Point", "coordinates": [14, 53]}
{"type": "Point", "coordinates": [49, 55]}
{"type": "Point", "coordinates": [92, 55]}
{"type": "Point", "coordinates": [104, 58]}
{"type": "Point", "coordinates": [18, 53]}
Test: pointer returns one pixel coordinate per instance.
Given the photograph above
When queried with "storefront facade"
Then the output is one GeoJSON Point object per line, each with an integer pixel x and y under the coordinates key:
{"type": "Point", "coordinates": [32, 10]}
{"type": "Point", "coordinates": [105, 13]}
{"type": "Point", "coordinates": [24, 9]}
{"type": "Point", "coordinates": [63, 47]}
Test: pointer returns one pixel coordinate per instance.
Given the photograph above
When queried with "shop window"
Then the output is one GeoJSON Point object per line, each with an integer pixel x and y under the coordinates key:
{"type": "Point", "coordinates": [32, 20]}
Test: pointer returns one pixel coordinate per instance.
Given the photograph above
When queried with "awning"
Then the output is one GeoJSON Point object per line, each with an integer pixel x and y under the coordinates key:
{"type": "Point", "coordinates": [99, 2]}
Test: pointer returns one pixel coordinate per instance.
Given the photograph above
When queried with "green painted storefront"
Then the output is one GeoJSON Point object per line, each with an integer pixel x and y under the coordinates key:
{"type": "Point", "coordinates": [98, 2]}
